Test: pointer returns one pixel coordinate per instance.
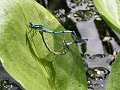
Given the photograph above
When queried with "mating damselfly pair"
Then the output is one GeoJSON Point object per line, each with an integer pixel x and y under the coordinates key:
{"type": "Point", "coordinates": [98, 64]}
{"type": "Point", "coordinates": [98, 50]}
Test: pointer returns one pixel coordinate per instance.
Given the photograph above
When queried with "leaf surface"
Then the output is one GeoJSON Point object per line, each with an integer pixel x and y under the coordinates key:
{"type": "Point", "coordinates": [24, 55]}
{"type": "Point", "coordinates": [110, 11]}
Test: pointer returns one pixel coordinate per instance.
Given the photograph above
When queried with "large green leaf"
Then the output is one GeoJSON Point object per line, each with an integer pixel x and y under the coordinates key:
{"type": "Point", "coordinates": [110, 11]}
{"type": "Point", "coordinates": [24, 55]}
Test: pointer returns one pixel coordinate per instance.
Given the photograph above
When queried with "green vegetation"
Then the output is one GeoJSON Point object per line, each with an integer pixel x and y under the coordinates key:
{"type": "Point", "coordinates": [114, 82]}
{"type": "Point", "coordinates": [110, 11]}
{"type": "Point", "coordinates": [24, 55]}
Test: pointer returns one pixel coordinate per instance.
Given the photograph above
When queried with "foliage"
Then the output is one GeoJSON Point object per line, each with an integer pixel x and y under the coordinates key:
{"type": "Point", "coordinates": [24, 55]}
{"type": "Point", "coordinates": [110, 11]}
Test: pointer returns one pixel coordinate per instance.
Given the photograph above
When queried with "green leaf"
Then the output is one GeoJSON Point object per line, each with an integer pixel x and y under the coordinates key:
{"type": "Point", "coordinates": [110, 11]}
{"type": "Point", "coordinates": [114, 82]}
{"type": "Point", "coordinates": [24, 55]}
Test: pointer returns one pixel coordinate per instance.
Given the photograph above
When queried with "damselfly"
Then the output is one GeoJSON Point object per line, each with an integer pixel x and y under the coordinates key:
{"type": "Point", "coordinates": [41, 29]}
